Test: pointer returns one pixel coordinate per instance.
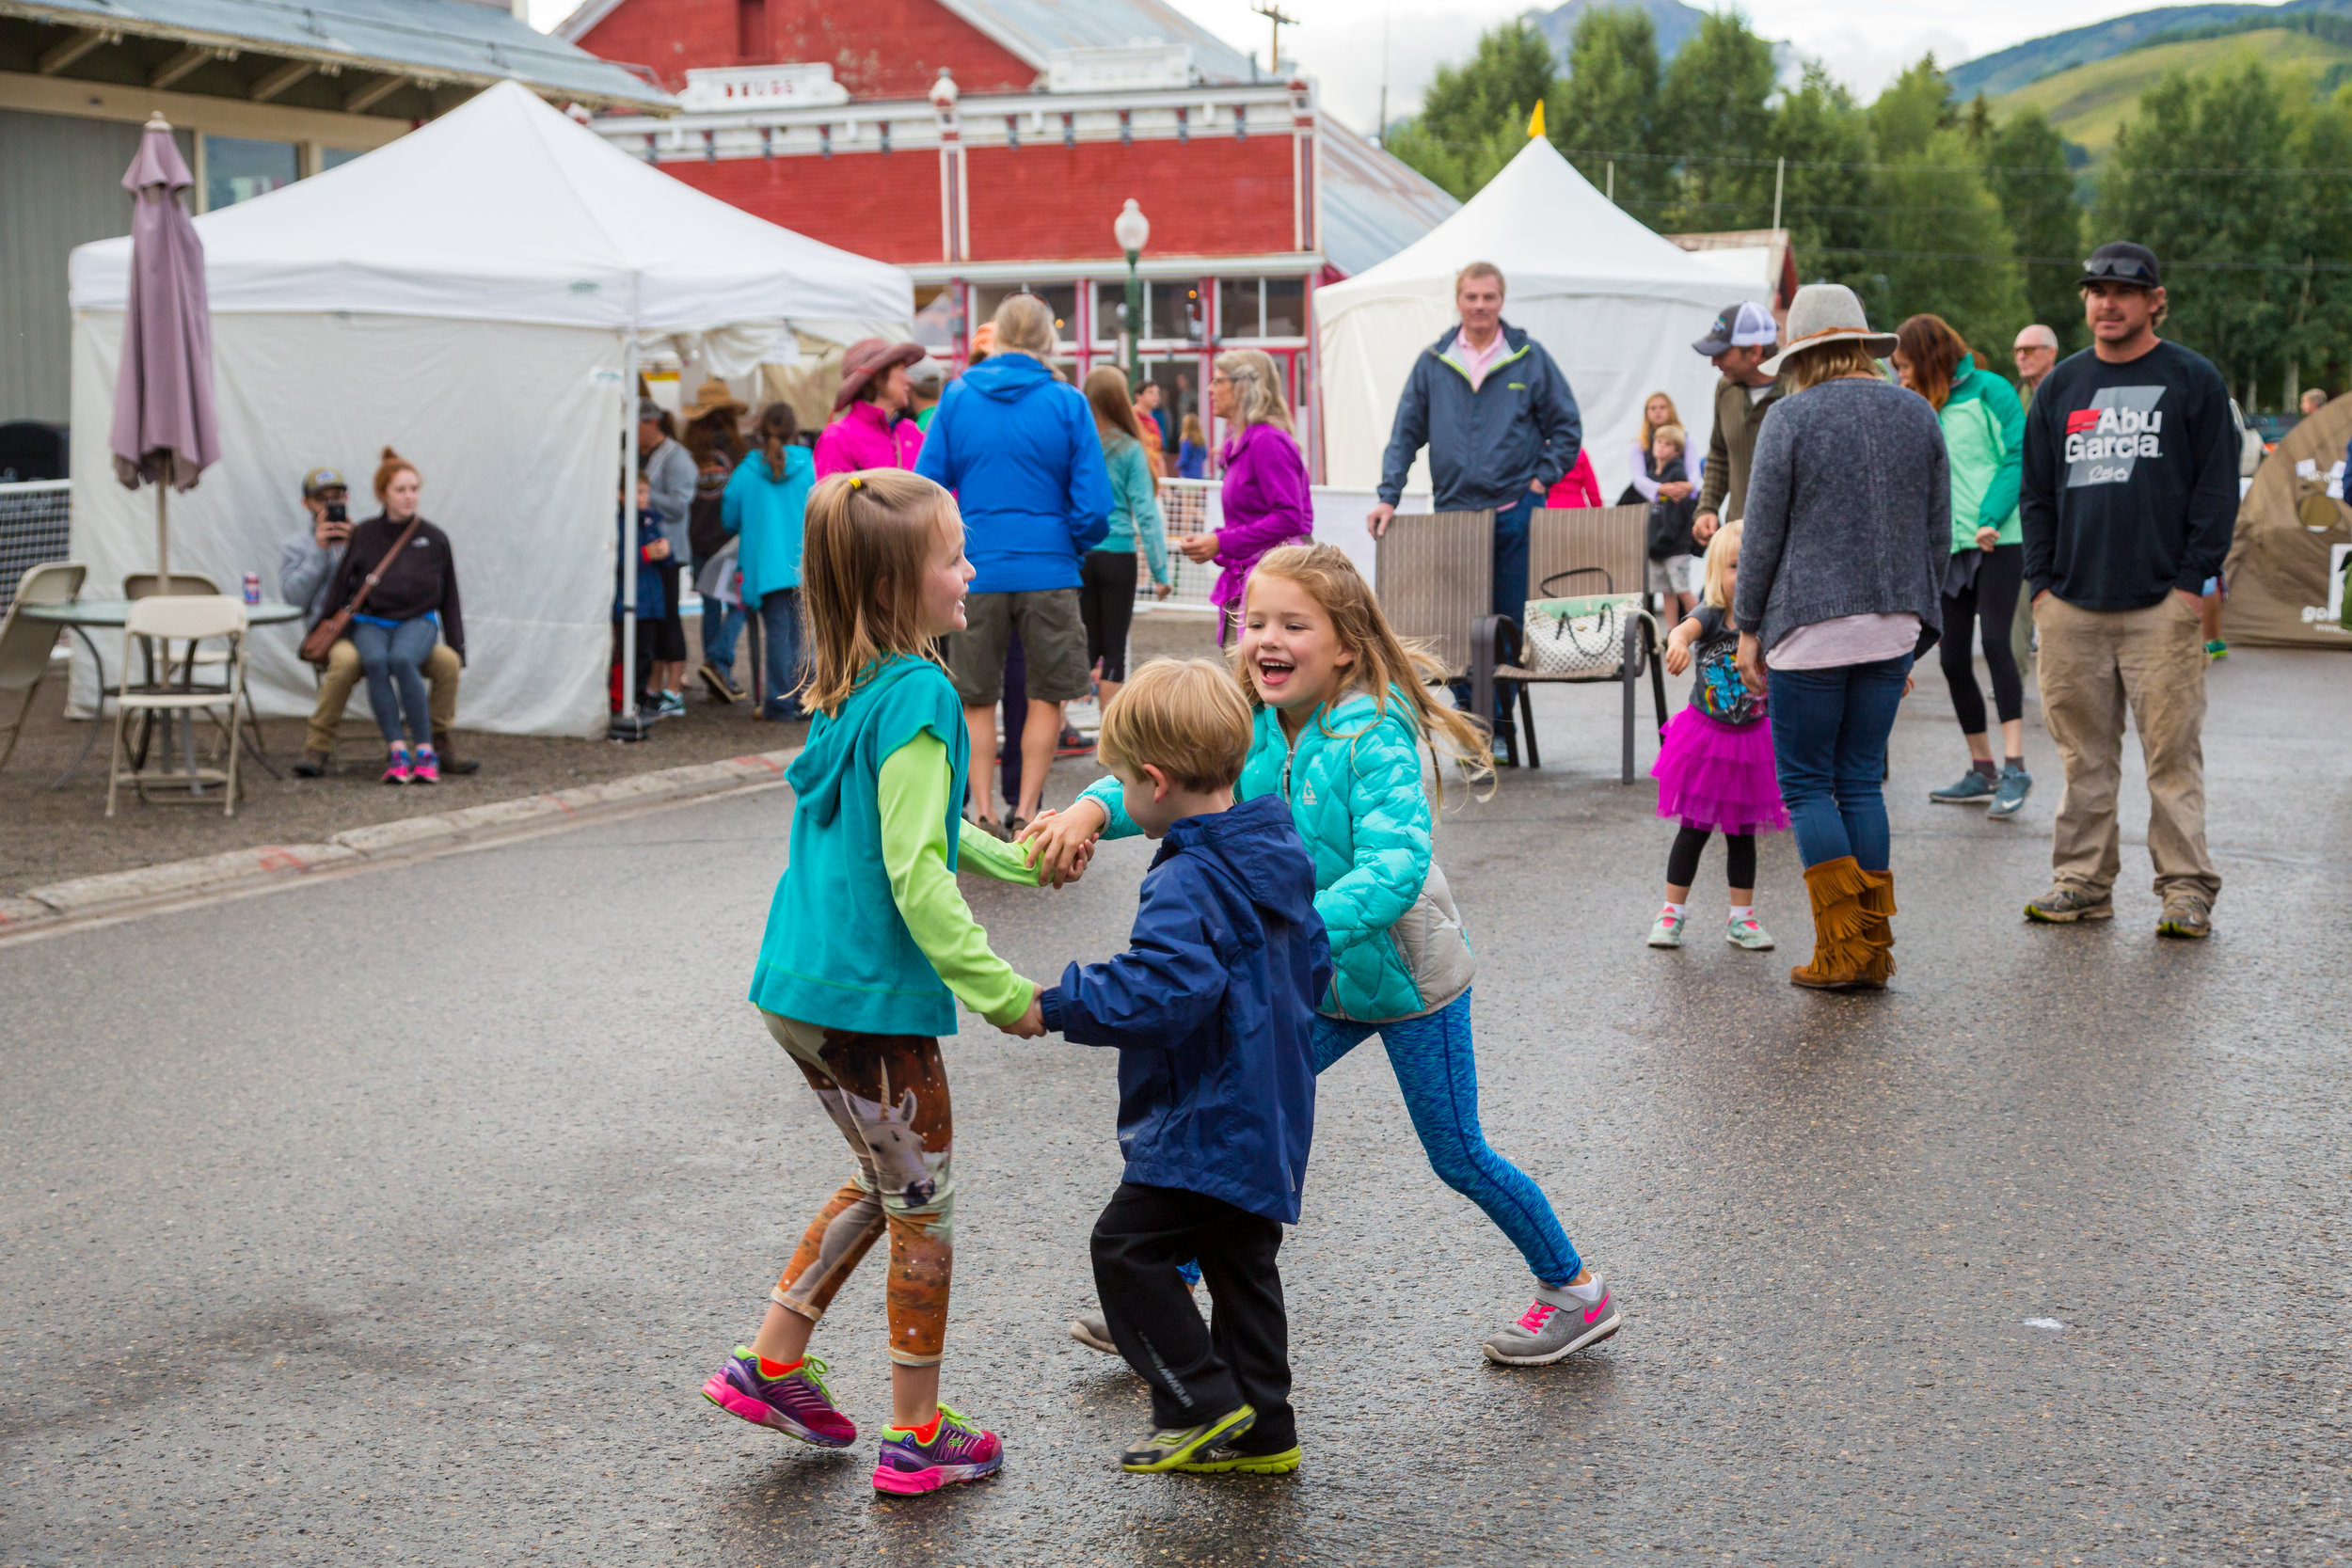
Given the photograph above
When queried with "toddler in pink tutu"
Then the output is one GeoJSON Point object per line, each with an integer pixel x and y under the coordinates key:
{"type": "Point", "coordinates": [1714, 768]}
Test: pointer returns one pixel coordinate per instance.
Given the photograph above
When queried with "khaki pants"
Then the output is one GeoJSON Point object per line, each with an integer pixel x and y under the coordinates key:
{"type": "Point", "coordinates": [2093, 664]}
{"type": "Point", "coordinates": [342, 672]}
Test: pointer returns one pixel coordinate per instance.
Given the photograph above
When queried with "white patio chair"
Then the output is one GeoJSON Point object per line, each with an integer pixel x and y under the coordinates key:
{"type": "Point", "coordinates": [191, 620]}
{"type": "Point", "coordinates": [26, 644]}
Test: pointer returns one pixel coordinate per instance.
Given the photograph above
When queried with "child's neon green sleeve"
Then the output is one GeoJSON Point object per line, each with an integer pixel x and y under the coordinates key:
{"type": "Point", "coordinates": [912, 799]}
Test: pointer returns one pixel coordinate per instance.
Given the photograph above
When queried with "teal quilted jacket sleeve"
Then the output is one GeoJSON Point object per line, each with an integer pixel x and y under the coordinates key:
{"type": "Point", "coordinates": [1378, 810]}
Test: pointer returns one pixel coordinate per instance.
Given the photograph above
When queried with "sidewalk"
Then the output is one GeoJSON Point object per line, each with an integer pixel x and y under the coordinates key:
{"type": "Point", "coordinates": [54, 835]}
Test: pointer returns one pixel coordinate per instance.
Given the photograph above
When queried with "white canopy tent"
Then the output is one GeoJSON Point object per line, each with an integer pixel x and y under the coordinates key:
{"type": "Point", "coordinates": [475, 294]}
{"type": "Point", "coordinates": [1616, 305]}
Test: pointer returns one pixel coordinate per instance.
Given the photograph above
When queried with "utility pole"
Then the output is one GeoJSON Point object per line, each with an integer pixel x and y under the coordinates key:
{"type": "Point", "coordinates": [1612, 191]}
{"type": "Point", "coordinates": [1780, 173]}
{"type": "Point", "coordinates": [1383, 138]}
{"type": "Point", "coordinates": [1273, 12]}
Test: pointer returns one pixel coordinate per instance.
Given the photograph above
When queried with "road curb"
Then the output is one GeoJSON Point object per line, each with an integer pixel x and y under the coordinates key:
{"type": "Point", "coordinates": [117, 893]}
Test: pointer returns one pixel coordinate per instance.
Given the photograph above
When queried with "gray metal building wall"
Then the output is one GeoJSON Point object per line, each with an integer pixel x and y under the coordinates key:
{"type": "Point", "coordinates": [60, 186]}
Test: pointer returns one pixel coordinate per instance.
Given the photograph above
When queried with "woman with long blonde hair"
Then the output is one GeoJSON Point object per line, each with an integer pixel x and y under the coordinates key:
{"type": "Point", "coordinates": [1657, 413]}
{"type": "Point", "coordinates": [1342, 712]}
{"type": "Point", "coordinates": [1266, 498]}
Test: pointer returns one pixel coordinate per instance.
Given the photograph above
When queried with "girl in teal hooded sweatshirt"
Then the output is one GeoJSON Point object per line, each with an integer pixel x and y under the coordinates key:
{"type": "Point", "coordinates": [869, 947]}
{"type": "Point", "coordinates": [1342, 713]}
{"type": "Point", "coordinates": [1985, 434]}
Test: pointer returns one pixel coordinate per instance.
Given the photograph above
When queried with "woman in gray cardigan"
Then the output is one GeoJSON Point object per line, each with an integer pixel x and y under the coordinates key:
{"type": "Point", "coordinates": [1849, 519]}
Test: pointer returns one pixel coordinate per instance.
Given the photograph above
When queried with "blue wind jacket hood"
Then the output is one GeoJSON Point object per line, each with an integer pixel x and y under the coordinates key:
{"type": "Point", "coordinates": [1017, 444]}
{"type": "Point", "coordinates": [1211, 1009]}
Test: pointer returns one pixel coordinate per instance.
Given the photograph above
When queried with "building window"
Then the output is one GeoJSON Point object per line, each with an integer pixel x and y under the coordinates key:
{"type": "Point", "coordinates": [938, 324]}
{"type": "Point", "coordinates": [751, 30]}
{"type": "Point", "coordinates": [336, 157]}
{"type": "Point", "coordinates": [237, 171]}
{"type": "Point", "coordinates": [1250, 307]}
{"type": "Point", "coordinates": [1060, 298]}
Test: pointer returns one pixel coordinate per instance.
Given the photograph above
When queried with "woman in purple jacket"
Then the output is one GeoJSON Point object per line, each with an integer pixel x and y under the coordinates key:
{"type": "Point", "coordinates": [1264, 495]}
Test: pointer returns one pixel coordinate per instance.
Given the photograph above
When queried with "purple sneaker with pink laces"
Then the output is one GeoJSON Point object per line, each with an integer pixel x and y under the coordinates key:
{"type": "Point", "coordinates": [1559, 1323]}
{"type": "Point", "coordinates": [795, 1403]}
{"type": "Point", "coordinates": [955, 1450]}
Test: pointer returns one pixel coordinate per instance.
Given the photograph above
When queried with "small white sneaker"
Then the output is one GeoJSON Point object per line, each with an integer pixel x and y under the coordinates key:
{"type": "Point", "coordinates": [1667, 930]}
{"type": "Point", "coordinates": [1745, 930]}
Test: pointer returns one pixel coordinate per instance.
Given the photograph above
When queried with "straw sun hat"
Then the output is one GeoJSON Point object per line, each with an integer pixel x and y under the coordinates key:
{"type": "Point", "coordinates": [1827, 313]}
{"type": "Point", "coordinates": [711, 395]}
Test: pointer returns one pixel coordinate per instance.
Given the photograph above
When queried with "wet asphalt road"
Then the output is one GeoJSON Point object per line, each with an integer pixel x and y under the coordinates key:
{"type": "Point", "coordinates": [399, 1218]}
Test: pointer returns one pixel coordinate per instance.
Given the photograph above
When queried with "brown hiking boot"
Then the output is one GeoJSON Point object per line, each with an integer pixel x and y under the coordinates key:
{"type": "Point", "coordinates": [313, 766]}
{"type": "Point", "coordinates": [450, 761]}
{"type": "Point", "coordinates": [1842, 957]}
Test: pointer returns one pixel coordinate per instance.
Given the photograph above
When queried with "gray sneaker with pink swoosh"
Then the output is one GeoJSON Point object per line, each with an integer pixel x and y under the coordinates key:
{"type": "Point", "coordinates": [1557, 1325]}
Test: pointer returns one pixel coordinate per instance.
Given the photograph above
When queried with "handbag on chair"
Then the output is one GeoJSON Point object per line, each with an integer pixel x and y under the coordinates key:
{"type": "Point", "coordinates": [331, 629]}
{"type": "Point", "coordinates": [1579, 636]}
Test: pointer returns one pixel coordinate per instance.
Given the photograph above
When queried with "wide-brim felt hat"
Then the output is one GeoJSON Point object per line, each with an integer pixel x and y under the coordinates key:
{"type": "Point", "coordinates": [712, 395]}
{"type": "Point", "coordinates": [1825, 313]}
{"type": "Point", "coordinates": [867, 359]}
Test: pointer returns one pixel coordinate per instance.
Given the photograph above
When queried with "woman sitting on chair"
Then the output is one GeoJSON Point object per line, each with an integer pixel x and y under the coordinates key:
{"type": "Point", "coordinates": [412, 605]}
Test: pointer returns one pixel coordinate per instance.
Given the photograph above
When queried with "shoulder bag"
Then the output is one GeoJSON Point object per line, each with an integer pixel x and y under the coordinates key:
{"type": "Point", "coordinates": [332, 629]}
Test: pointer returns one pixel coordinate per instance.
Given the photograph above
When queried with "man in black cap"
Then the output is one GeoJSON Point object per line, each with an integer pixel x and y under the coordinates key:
{"type": "Point", "coordinates": [1740, 340]}
{"type": "Point", "coordinates": [2129, 495]}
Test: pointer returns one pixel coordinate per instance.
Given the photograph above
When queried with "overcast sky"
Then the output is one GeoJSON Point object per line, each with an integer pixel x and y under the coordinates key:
{"type": "Point", "coordinates": [1340, 42]}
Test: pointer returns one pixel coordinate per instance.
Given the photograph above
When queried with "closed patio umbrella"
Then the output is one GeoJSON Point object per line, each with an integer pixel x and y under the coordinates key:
{"type": "Point", "coordinates": [165, 431]}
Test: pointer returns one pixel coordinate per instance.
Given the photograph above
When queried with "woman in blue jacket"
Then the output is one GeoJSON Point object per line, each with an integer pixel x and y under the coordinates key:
{"type": "Point", "coordinates": [764, 507]}
{"type": "Point", "coordinates": [1017, 445]}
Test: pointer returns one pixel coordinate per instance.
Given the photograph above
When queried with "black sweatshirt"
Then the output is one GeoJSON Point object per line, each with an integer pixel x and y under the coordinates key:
{"type": "Point", "coordinates": [2130, 487]}
{"type": "Point", "coordinates": [423, 581]}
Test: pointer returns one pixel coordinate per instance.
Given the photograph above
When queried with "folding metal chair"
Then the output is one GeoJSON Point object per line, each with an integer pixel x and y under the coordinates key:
{"type": "Point", "coordinates": [180, 619]}
{"type": "Point", "coordinates": [26, 644]}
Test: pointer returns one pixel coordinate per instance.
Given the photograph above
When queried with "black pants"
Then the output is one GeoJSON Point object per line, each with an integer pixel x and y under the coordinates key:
{"type": "Point", "coordinates": [668, 634]}
{"type": "Point", "coordinates": [1991, 600]}
{"type": "Point", "coordinates": [1682, 861]}
{"type": "Point", "coordinates": [1198, 1373]}
{"type": "Point", "coordinates": [1107, 600]}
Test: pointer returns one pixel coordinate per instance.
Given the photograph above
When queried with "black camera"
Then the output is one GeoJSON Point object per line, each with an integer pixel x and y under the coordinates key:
{"type": "Point", "coordinates": [336, 512]}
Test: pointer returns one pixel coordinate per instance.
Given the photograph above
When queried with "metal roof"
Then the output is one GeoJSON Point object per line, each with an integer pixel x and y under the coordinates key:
{"type": "Point", "coordinates": [445, 39]}
{"type": "Point", "coordinates": [1034, 29]}
{"type": "Point", "coordinates": [1374, 204]}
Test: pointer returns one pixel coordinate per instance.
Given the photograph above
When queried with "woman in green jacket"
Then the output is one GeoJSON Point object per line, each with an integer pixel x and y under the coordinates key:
{"type": "Point", "coordinates": [1107, 591]}
{"type": "Point", "coordinates": [1984, 432]}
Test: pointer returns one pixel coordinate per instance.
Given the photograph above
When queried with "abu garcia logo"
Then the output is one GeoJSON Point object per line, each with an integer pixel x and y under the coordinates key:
{"type": "Point", "coordinates": [2096, 433]}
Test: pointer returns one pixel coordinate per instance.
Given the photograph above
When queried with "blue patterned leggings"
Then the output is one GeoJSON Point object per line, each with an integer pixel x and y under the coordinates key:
{"type": "Point", "coordinates": [1438, 1072]}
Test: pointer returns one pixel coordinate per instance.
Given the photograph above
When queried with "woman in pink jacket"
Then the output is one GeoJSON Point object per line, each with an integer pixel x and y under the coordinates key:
{"type": "Point", "coordinates": [1264, 496]}
{"type": "Point", "coordinates": [866, 431]}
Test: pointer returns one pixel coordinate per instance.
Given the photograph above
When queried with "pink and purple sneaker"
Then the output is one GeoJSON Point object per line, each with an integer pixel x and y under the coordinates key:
{"type": "Point", "coordinates": [955, 1450]}
{"type": "Point", "coordinates": [795, 1402]}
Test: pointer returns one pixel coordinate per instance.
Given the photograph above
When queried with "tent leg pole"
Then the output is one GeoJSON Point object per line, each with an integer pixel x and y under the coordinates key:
{"type": "Point", "coordinates": [628, 534]}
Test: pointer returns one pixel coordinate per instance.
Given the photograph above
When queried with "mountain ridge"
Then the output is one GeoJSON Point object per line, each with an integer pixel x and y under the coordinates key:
{"type": "Point", "coordinates": [2006, 71]}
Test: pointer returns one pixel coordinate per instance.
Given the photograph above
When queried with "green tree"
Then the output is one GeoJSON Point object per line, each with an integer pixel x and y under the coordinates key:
{"type": "Point", "coordinates": [1826, 201]}
{"type": "Point", "coordinates": [1607, 109]}
{"type": "Point", "coordinates": [2026, 170]}
{"type": "Point", "coordinates": [1714, 103]}
{"type": "Point", "coordinates": [1946, 248]}
{"type": "Point", "coordinates": [2203, 176]}
{"type": "Point", "coordinates": [2321, 325]}
{"type": "Point", "coordinates": [1473, 119]}
{"type": "Point", "coordinates": [1915, 107]}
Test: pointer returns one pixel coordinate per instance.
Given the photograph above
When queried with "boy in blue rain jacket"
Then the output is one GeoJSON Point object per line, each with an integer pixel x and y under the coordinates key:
{"type": "Point", "coordinates": [1211, 1009]}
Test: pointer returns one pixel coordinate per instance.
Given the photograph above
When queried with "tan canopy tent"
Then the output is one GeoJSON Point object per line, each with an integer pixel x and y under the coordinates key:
{"type": "Point", "coordinates": [2293, 536]}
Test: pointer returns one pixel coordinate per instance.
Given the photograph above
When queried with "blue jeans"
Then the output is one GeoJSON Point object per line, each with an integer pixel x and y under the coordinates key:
{"type": "Point", "coordinates": [393, 657]}
{"type": "Point", "coordinates": [721, 625]}
{"type": "Point", "coordinates": [1438, 1074]}
{"type": "Point", "coordinates": [1829, 746]}
{"type": "Point", "coordinates": [1510, 590]}
{"type": "Point", "coordinates": [780, 629]}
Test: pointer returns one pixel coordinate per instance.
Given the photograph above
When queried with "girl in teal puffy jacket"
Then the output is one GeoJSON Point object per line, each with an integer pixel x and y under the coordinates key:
{"type": "Point", "coordinates": [1342, 712]}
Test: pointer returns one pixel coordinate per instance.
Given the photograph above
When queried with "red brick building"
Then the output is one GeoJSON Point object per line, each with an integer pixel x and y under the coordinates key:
{"type": "Point", "coordinates": [987, 145]}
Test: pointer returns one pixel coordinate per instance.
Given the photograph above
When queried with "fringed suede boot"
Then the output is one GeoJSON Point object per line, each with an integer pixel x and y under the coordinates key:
{"type": "Point", "coordinates": [1841, 955]}
{"type": "Point", "coordinates": [1878, 912]}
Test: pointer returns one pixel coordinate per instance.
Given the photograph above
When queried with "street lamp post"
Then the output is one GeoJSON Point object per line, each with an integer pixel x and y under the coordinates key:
{"type": "Point", "coordinates": [1133, 231]}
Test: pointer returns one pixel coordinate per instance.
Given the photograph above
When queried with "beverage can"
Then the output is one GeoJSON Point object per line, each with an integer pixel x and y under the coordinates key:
{"type": "Point", "coordinates": [253, 588]}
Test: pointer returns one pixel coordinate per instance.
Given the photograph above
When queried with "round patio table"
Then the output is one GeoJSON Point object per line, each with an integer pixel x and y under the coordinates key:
{"type": "Point", "coordinates": [79, 615]}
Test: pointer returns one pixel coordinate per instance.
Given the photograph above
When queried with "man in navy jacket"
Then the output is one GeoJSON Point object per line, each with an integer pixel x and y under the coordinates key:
{"type": "Point", "coordinates": [1501, 425]}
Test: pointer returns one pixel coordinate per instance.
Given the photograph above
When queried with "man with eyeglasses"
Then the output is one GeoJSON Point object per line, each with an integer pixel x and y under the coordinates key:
{"type": "Point", "coordinates": [2129, 497]}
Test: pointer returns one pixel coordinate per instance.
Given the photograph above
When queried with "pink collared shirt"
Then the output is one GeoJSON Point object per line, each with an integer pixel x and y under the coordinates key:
{"type": "Point", "coordinates": [1476, 362]}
